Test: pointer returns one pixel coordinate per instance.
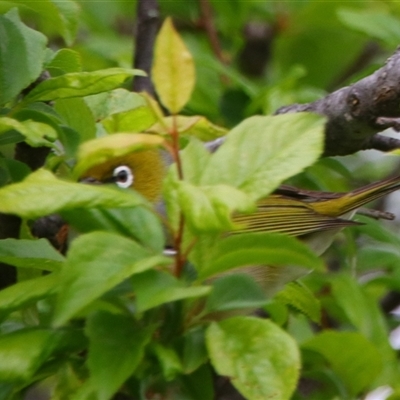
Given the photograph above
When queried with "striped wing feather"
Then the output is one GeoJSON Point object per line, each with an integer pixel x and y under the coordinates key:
{"type": "Point", "coordinates": [290, 216]}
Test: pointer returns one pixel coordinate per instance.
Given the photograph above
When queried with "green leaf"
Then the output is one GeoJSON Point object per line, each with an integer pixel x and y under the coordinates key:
{"type": "Point", "coordinates": [313, 26]}
{"type": "Point", "coordinates": [41, 193]}
{"type": "Point", "coordinates": [56, 15]}
{"type": "Point", "coordinates": [261, 360]}
{"type": "Point", "coordinates": [6, 390]}
{"type": "Point", "coordinates": [68, 13]}
{"type": "Point", "coordinates": [363, 312]}
{"type": "Point", "coordinates": [351, 298]}
{"type": "Point", "coordinates": [357, 367]}
{"type": "Point", "coordinates": [10, 137]}
{"type": "Point", "coordinates": [194, 157]}
{"type": "Point", "coordinates": [261, 152]}
{"type": "Point", "coordinates": [375, 24]}
{"type": "Point", "coordinates": [98, 151]}
{"type": "Point", "coordinates": [22, 53]}
{"type": "Point", "coordinates": [86, 391]}
{"type": "Point", "coordinates": [70, 140]}
{"type": "Point", "coordinates": [210, 208]}
{"type": "Point", "coordinates": [170, 363]}
{"type": "Point", "coordinates": [116, 348]}
{"type": "Point", "coordinates": [16, 170]}
{"type": "Point", "coordinates": [77, 116]}
{"type": "Point", "coordinates": [300, 297]}
{"type": "Point", "coordinates": [173, 68]}
{"type": "Point", "coordinates": [30, 254]}
{"type": "Point", "coordinates": [153, 288]}
{"type": "Point", "coordinates": [260, 249]}
{"type": "Point", "coordinates": [139, 223]}
{"type": "Point", "coordinates": [277, 312]}
{"type": "Point", "coordinates": [79, 84]}
{"type": "Point", "coordinates": [121, 111]}
{"type": "Point", "coordinates": [96, 263]}
{"type": "Point", "coordinates": [65, 61]}
{"type": "Point", "coordinates": [199, 385]}
{"type": "Point", "coordinates": [40, 108]}
{"type": "Point", "coordinates": [373, 257]}
{"type": "Point", "coordinates": [39, 112]}
{"type": "Point", "coordinates": [235, 292]}
{"type": "Point", "coordinates": [25, 351]}
{"type": "Point", "coordinates": [4, 173]}
{"type": "Point", "coordinates": [194, 352]}
{"type": "Point", "coordinates": [136, 120]}
{"type": "Point", "coordinates": [35, 133]}
{"type": "Point", "coordinates": [376, 230]}
{"type": "Point", "coordinates": [26, 292]}
{"type": "Point", "coordinates": [114, 102]}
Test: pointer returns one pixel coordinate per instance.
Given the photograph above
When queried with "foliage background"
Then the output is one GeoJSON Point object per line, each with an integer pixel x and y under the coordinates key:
{"type": "Point", "coordinates": [268, 54]}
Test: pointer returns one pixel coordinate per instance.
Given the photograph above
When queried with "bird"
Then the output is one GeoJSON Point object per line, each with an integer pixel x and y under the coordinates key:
{"type": "Point", "coordinates": [290, 210]}
{"type": "Point", "coordinates": [315, 217]}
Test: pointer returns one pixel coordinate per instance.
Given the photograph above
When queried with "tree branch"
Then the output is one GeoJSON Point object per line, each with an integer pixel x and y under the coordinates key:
{"type": "Point", "coordinates": [357, 113]}
{"type": "Point", "coordinates": [148, 18]}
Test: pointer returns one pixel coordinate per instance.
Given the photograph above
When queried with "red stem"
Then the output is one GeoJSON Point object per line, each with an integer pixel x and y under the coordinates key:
{"type": "Point", "coordinates": [180, 257]}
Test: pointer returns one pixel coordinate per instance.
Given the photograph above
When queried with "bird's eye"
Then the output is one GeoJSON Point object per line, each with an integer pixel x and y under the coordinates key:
{"type": "Point", "coordinates": [123, 176]}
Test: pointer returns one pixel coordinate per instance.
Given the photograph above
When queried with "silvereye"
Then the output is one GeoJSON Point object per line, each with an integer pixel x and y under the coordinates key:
{"type": "Point", "coordinates": [314, 216]}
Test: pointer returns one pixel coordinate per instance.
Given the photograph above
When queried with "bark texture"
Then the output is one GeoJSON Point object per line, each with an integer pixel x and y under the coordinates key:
{"type": "Point", "coordinates": [357, 113]}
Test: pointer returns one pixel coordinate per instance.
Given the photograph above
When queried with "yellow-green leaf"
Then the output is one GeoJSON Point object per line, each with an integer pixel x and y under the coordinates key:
{"type": "Point", "coordinates": [173, 69]}
{"type": "Point", "coordinates": [98, 151]}
{"type": "Point", "coordinates": [42, 193]}
{"type": "Point", "coordinates": [195, 125]}
{"type": "Point", "coordinates": [35, 133]}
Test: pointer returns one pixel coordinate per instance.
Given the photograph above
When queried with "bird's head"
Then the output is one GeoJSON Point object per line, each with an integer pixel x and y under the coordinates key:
{"type": "Point", "coordinates": [141, 167]}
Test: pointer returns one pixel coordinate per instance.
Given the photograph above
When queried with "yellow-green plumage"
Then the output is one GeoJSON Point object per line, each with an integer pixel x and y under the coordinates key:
{"type": "Point", "coordinates": [309, 213]}
{"type": "Point", "coordinates": [148, 169]}
{"type": "Point", "coordinates": [291, 216]}
{"type": "Point", "coordinates": [290, 210]}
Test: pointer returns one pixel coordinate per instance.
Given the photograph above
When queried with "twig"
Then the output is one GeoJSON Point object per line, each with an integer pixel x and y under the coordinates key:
{"type": "Point", "coordinates": [208, 22]}
{"type": "Point", "coordinates": [382, 143]}
{"type": "Point", "coordinates": [376, 214]}
{"type": "Point", "coordinates": [386, 122]}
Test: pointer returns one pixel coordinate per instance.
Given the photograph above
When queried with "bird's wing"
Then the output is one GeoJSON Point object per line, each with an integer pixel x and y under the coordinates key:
{"type": "Point", "coordinates": [281, 214]}
{"type": "Point", "coordinates": [306, 195]}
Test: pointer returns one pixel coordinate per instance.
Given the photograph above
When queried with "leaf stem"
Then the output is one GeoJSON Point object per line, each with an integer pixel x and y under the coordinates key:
{"type": "Point", "coordinates": [175, 146]}
{"type": "Point", "coordinates": [180, 256]}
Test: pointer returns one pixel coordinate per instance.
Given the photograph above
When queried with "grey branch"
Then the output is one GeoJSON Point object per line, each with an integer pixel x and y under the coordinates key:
{"type": "Point", "coordinates": [357, 113]}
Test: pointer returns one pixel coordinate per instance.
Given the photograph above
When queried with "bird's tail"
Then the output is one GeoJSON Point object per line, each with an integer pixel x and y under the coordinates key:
{"type": "Point", "coordinates": [357, 198]}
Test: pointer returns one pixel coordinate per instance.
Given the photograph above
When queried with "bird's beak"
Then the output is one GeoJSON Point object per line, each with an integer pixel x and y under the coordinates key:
{"type": "Point", "coordinates": [90, 180]}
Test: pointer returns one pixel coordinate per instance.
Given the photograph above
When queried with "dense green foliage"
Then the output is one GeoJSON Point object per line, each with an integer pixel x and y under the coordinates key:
{"type": "Point", "coordinates": [115, 314]}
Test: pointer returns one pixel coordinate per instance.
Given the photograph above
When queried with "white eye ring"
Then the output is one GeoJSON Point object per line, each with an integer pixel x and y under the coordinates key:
{"type": "Point", "coordinates": [123, 176]}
